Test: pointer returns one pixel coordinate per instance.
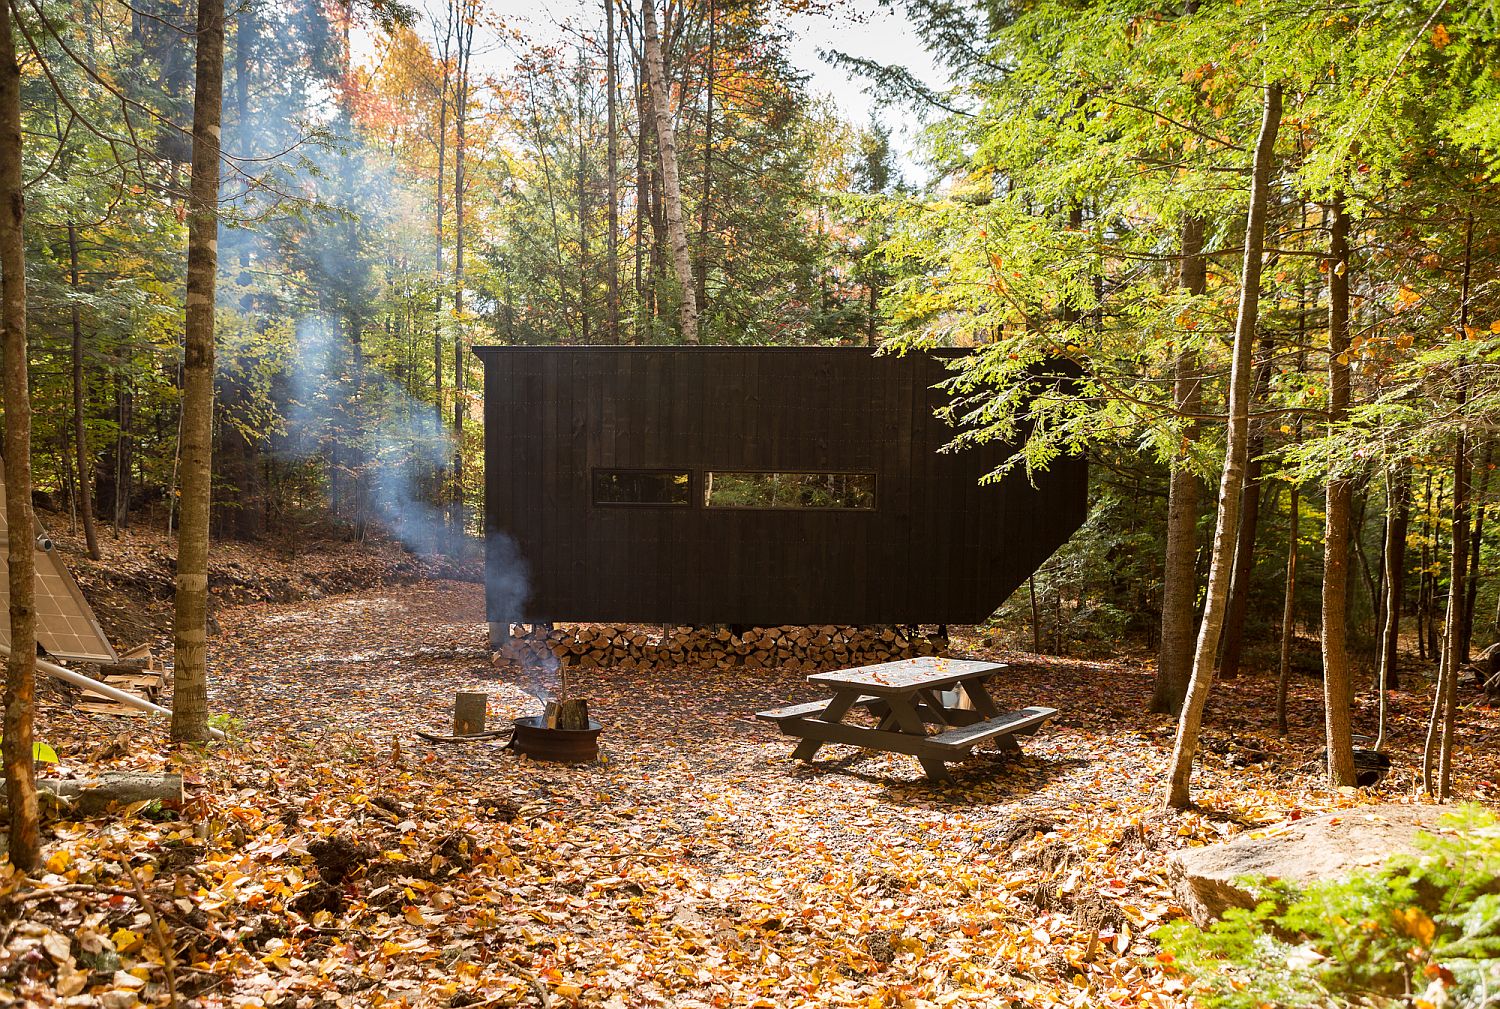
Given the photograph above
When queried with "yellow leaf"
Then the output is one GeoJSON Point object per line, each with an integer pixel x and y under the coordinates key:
{"type": "Point", "coordinates": [1440, 37]}
{"type": "Point", "coordinates": [59, 861]}
{"type": "Point", "coordinates": [127, 941]}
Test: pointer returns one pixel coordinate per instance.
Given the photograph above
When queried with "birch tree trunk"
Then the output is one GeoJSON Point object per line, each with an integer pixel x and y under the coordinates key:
{"type": "Point", "coordinates": [1338, 501]}
{"type": "Point", "coordinates": [190, 611]}
{"type": "Point", "coordinates": [20, 666]}
{"type": "Point", "coordinates": [1179, 790]}
{"type": "Point", "coordinates": [666, 145]}
{"type": "Point", "coordinates": [1174, 660]}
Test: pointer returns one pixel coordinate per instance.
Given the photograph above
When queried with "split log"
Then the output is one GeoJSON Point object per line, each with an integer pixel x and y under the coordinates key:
{"type": "Point", "coordinates": [469, 708]}
{"type": "Point", "coordinates": [90, 796]}
{"type": "Point", "coordinates": [573, 714]}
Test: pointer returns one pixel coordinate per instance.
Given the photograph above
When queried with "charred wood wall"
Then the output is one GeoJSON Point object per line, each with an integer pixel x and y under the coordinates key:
{"type": "Point", "coordinates": [936, 547]}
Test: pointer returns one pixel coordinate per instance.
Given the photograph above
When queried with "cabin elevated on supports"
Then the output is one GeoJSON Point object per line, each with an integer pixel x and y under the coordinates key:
{"type": "Point", "coordinates": [753, 486]}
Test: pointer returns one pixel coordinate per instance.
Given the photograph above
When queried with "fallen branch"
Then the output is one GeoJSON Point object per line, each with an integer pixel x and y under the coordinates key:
{"type": "Point", "coordinates": [432, 737]}
{"type": "Point", "coordinates": [168, 954]}
{"type": "Point", "coordinates": [539, 989]}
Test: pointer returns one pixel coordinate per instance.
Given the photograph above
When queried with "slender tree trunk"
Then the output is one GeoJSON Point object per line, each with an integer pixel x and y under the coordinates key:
{"type": "Point", "coordinates": [438, 481]}
{"type": "Point", "coordinates": [1395, 579]}
{"type": "Point", "coordinates": [700, 277]}
{"type": "Point", "coordinates": [1244, 549]}
{"type": "Point", "coordinates": [190, 623]}
{"type": "Point", "coordinates": [612, 175]}
{"type": "Point", "coordinates": [20, 665]}
{"type": "Point", "coordinates": [1476, 544]}
{"type": "Point", "coordinates": [1338, 500]}
{"type": "Point", "coordinates": [642, 203]}
{"type": "Point", "coordinates": [85, 495]}
{"type": "Point", "coordinates": [1395, 533]}
{"type": "Point", "coordinates": [666, 145]}
{"type": "Point", "coordinates": [1179, 792]}
{"type": "Point", "coordinates": [1441, 730]}
{"type": "Point", "coordinates": [465, 26]}
{"type": "Point", "coordinates": [1289, 604]}
{"type": "Point", "coordinates": [1179, 575]}
{"type": "Point", "coordinates": [582, 195]}
{"type": "Point", "coordinates": [1424, 585]}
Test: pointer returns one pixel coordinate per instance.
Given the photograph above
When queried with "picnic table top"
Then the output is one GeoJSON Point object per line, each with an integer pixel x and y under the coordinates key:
{"type": "Point", "coordinates": [906, 675]}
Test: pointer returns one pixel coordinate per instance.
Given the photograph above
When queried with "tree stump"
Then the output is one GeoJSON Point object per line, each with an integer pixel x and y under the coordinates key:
{"type": "Point", "coordinates": [468, 712]}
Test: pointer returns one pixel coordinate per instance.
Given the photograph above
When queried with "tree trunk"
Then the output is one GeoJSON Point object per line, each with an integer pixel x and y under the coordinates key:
{"type": "Point", "coordinates": [190, 619]}
{"type": "Point", "coordinates": [1398, 523]}
{"type": "Point", "coordinates": [20, 665]}
{"type": "Point", "coordinates": [1476, 544]}
{"type": "Point", "coordinates": [1179, 793]}
{"type": "Point", "coordinates": [1288, 604]}
{"type": "Point", "coordinates": [1338, 500]}
{"type": "Point", "coordinates": [666, 145]}
{"type": "Point", "coordinates": [439, 480]}
{"type": "Point", "coordinates": [85, 495]}
{"type": "Point", "coordinates": [1232, 650]}
{"type": "Point", "coordinates": [582, 194]}
{"type": "Point", "coordinates": [1425, 649]}
{"type": "Point", "coordinates": [700, 277]}
{"type": "Point", "coordinates": [458, 518]}
{"type": "Point", "coordinates": [642, 202]}
{"type": "Point", "coordinates": [1441, 728]}
{"type": "Point", "coordinates": [1179, 569]}
{"type": "Point", "coordinates": [612, 176]}
{"type": "Point", "coordinates": [1395, 537]}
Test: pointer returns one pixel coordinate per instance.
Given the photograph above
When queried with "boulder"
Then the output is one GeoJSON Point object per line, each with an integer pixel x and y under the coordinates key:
{"type": "Point", "coordinates": [1332, 846]}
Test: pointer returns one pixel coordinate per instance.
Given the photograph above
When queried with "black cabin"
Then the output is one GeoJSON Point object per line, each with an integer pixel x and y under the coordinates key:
{"type": "Point", "coordinates": [740, 485]}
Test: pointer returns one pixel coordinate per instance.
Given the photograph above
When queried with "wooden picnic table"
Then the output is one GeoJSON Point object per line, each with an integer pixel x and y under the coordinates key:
{"type": "Point", "coordinates": [907, 697]}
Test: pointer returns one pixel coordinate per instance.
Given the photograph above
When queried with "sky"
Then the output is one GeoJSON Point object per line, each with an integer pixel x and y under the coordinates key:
{"type": "Point", "coordinates": [860, 28]}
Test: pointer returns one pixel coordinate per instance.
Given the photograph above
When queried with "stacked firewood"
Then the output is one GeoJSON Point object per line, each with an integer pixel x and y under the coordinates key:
{"type": "Point", "coordinates": [809, 649]}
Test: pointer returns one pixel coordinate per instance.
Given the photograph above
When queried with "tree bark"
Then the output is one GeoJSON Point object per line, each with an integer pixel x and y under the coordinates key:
{"type": "Point", "coordinates": [190, 614]}
{"type": "Point", "coordinates": [1337, 503]}
{"type": "Point", "coordinates": [1179, 569]}
{"type": "Point", "coordinates": [80, 427]}
{"type": "Point", "coordinates": [1179, 792]}
{"type": "Point", "coordinates": [666, 145]}
{"type": "Point", "coordinates": [20, 666]}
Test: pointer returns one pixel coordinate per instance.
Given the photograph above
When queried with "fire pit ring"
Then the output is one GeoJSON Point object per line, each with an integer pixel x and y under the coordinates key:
{"type": "Point", "coordinates": [567, 746]}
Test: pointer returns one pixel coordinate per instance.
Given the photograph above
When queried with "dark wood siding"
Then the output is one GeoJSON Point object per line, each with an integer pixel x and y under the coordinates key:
{"type": "Point", "coordinates": [937, 547]}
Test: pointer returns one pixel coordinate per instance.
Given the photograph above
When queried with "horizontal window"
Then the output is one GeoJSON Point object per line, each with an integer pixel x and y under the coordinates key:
{"type": "Point", "coordinates": [789, 490]}
{"type": "Point", "coordinates": [642, 487]}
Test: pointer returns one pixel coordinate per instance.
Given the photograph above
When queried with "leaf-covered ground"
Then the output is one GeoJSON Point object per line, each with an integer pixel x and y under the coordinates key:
{"type": "Point", "coordinates": [328, 857]}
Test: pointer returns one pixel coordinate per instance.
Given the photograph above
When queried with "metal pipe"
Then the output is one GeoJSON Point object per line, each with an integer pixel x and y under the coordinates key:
{"type": "Point", "coordinates": [113, 693]}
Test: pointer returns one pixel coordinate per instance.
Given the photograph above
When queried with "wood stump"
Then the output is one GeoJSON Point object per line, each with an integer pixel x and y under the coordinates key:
{"type": "Point", "coordinates": [469, 709]}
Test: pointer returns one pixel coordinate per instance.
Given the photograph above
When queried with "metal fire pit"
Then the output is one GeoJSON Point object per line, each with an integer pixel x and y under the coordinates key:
{"type": "Point", "coordinates": [568, 746]}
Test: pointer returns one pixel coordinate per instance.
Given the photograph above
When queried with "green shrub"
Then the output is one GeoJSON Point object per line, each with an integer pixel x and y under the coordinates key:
{"type": "Point", "coordinates": [1423, 931]}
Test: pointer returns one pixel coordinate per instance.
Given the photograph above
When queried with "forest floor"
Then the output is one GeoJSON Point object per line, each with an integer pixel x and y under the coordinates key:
{"type": "Point", "coordinates": [327, 856]}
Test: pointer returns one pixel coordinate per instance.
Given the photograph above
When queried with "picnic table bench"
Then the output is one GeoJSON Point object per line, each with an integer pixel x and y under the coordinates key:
{"type": "Point", "coordinates": [906, 697]}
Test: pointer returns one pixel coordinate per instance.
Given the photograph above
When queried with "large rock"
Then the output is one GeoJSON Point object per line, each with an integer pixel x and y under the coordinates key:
{"type": "Point", "coordinates": [1331, 846]}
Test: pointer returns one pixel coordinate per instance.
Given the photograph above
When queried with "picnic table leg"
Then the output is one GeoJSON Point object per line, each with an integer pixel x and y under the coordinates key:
{"type": "Point", "coordinates": [935, 704]}
{"type": "Point", "coordinates": [835, 712]}
{"type": "Point", "coordinates": [911, 724]}
{"type": "Point", "coordinates": [983, 703]}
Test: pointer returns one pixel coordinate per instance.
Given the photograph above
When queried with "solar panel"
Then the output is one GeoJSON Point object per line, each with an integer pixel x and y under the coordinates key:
{"type": "Point", "coordinates": [65, 624]}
